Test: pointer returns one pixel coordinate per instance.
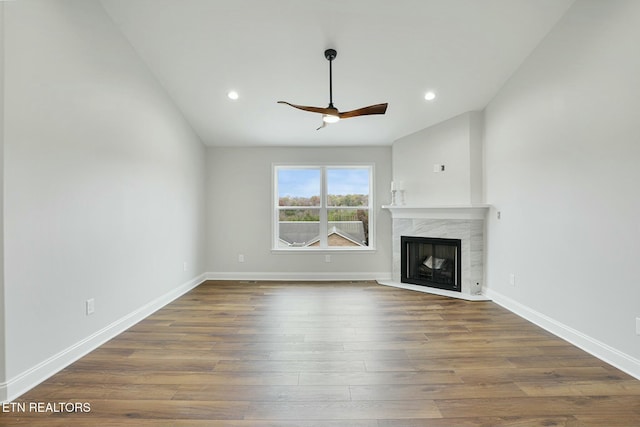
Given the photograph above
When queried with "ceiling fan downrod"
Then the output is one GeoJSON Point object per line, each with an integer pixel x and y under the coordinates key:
{"type": "Point", "coordinates": [330, 54]}
{"type": "Point", "coordinates": [330, 117]}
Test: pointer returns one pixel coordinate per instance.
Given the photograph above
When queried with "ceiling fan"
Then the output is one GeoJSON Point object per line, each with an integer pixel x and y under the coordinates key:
{"type": "Point", "coordinates": [331, 113]}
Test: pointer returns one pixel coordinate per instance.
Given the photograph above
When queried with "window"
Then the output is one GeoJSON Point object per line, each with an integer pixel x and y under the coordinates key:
{"type": "Point", "coordinates": [323, 207]}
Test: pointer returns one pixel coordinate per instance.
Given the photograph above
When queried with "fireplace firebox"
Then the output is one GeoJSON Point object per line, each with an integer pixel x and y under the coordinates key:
{"type": "Point", "coordinates": [433, 262]}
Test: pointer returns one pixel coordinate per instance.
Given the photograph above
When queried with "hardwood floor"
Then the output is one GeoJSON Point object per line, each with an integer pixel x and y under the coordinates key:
{"type": "Point", "coordinates": [334, 354]}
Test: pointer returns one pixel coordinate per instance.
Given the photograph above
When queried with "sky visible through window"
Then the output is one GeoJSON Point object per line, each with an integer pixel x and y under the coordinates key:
{"type": "Point", "coordinates": [306, 182]}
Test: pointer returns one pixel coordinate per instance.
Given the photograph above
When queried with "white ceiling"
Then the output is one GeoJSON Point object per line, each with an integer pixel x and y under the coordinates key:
{"type": "Point", "coordinates": [388, 51]}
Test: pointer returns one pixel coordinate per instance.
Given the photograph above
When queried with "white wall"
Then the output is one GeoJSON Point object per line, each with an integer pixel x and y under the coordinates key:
{"type": "Point", "coordinates": [239, 212]}
{"type": "Point", "coordinates": [476, 158]}
{"type": "Point", "coordinates": [562, 165]}
{"type": "Point", "coordinates": [104, 187]}
{"type": "Point", "coordinates": [2, 305]}
{"type": "Point", "coordinates": [456, 144]}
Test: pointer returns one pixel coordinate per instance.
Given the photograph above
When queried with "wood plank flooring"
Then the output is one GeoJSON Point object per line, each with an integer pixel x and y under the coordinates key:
{"type": "Point", "coordinates": [334, 354]}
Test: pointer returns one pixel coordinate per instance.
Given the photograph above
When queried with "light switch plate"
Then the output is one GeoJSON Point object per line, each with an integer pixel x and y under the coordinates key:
{"type": "Point", "coordinates": [90, 306]}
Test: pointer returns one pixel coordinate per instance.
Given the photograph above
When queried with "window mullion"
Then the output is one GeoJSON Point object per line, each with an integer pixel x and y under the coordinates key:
{"type": "Point", "coordinates": [324, 225]}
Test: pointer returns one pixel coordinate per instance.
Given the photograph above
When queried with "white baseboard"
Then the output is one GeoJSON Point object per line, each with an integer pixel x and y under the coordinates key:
{"type": "Point", "coordinates": [602, 351]}
{"type": "Point", "coordinates": [313, 276]}
{"type": "Point", "coordinates": [30, 378]}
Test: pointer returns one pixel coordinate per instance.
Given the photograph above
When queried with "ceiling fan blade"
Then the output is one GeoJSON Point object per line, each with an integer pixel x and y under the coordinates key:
{"type": "Point", "coordinates": [365, 111]}
{"type": "Point", "coordinates": [320, 110]}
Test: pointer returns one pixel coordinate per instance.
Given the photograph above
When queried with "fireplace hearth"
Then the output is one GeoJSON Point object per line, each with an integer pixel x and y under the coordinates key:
{"type": "Point", "coordinates": [431, 261]}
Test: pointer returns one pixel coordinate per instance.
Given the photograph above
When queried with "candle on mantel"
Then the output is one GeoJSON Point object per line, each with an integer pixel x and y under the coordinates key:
{"type": "Point", "coordinates": [396, 185]}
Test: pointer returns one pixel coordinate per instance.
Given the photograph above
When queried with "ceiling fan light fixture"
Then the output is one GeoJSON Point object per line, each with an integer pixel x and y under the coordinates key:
{"type": "Point", "coordinates": [330, 118]}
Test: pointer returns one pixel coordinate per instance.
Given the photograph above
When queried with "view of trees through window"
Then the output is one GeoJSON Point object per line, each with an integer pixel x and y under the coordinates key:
{"type": "Point", "coordinates": [344, 208]}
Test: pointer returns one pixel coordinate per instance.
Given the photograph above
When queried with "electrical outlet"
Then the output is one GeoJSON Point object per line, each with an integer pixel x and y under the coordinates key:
{"type": "Point", "coordinates": [638, 325]}
{"type": "Point", "coordinates": [499, 214]}
{"type": "Point", "coordinates": [90, 305]}
{"type": "Point", "coordinates": [327, 258]}
{"type": "Point", "coordinates": [184, 266]}
{"type": "Point", "coordinates": [476, 289]}
{"type": "Point", "coordinates": [512, 279]}
{"type": "Point", "coordinates": [241, 258]}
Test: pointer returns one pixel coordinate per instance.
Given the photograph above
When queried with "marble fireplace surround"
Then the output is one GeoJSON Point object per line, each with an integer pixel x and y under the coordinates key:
{"type": "Point", "coordinates": [452, 222]}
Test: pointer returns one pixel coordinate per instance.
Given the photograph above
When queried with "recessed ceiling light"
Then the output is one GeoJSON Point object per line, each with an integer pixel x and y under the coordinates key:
{"type": "Point", "coordinates": [430, 96]}
{"type": "Point", "coordinates": [232, 94]}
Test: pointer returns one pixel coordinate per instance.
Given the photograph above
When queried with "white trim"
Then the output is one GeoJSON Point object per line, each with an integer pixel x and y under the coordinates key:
{"type": "Point", "coordinates": [309, 276]}
{"type": "Point", "coordinates": [602, 351]}
{"type": "Point", "coordinates": [30, 378]}
{"type": "Point", "coordinates": [306, 250]}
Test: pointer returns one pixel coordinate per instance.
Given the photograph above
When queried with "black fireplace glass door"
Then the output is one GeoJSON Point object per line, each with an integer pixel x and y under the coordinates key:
{"type": "Point", "coordinates": [431, 262]}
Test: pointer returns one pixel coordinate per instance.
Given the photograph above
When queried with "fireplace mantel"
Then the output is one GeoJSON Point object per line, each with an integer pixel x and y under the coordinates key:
{"type": "Point", "coordinates": [475, 211]}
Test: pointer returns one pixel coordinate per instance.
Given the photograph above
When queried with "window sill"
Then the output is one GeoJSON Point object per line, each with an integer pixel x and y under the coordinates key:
{"type": "Point", "coordinates": [286, 251]}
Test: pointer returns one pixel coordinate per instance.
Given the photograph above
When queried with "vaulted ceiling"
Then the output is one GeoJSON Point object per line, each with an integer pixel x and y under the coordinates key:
{"type": "Point", "coordinates": [388, 51]}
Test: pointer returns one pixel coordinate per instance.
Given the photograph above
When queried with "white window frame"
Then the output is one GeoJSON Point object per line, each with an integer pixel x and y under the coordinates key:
{"type": "Point", "coordinates": [324, 247]}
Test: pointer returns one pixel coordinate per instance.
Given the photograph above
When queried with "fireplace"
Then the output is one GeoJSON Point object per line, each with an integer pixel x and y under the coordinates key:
{"type": "Point", "coordinates": [433, 262]}
{"type": "Point", "coordinates": [465, 223]}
